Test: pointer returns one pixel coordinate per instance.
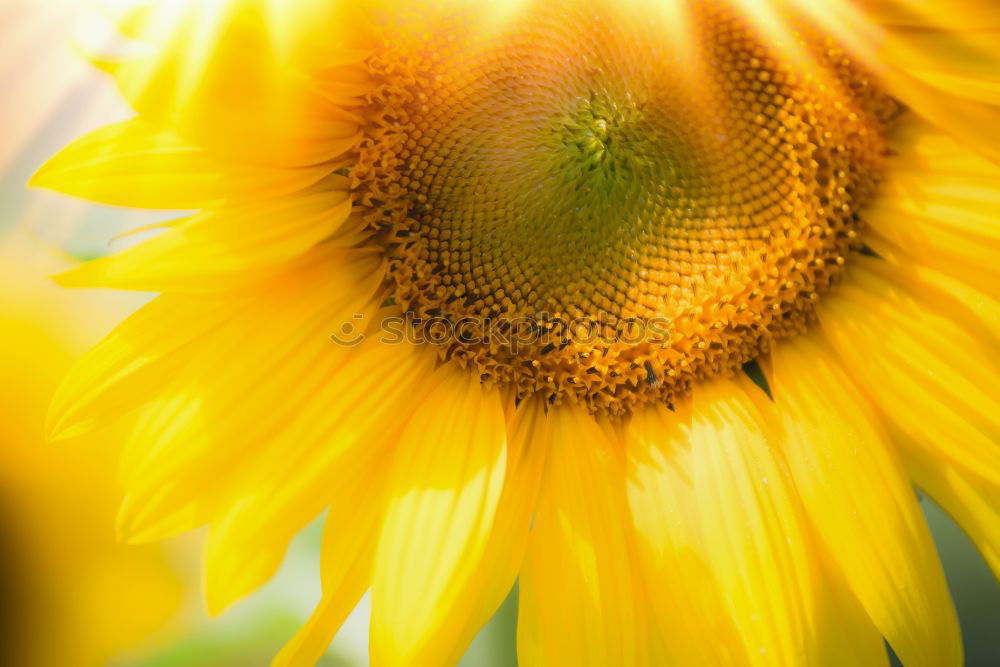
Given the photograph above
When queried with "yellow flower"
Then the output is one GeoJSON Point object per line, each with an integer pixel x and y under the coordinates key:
{"type": "Point", "coordinates": [72, 595]}
{"type": "Point", "coordinates": [486, 281]}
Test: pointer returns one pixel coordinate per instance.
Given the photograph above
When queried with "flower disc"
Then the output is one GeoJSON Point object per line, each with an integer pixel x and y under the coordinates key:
{"type": "Point", "coordinates": [580, 204]}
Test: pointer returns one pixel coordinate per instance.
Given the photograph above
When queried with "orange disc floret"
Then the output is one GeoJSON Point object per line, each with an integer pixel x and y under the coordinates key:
{"type": "Point", "coordinates": [592, 213]}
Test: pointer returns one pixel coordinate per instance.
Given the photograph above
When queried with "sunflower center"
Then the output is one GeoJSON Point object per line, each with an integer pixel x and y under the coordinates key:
{"type": "Point", "coordinates": [604, 204]}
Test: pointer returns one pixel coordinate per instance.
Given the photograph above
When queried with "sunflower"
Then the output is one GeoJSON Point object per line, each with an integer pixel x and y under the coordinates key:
{"type": "Point", "coordinates": [72, 595]}
{"type": "Point", "coordinates": [660, 309]}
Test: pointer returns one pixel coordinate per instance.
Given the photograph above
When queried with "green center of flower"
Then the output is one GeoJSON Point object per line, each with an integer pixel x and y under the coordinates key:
{"type": "Point", "coordinates": [606, 145]}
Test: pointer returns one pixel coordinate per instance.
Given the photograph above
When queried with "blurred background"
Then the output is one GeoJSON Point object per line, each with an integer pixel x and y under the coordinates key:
{"type": "Point", "coordinates": [70, 595]}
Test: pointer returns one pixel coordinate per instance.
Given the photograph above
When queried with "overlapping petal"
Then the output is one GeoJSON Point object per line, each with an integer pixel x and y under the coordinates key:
{"type": "Point", "coordinates": [445, 483]}
{"type": "Point", "coordinates": [219, 73]}
{"type": "Point", "coordinates": [137, 164]}
{"type": "Point", "coordinates": [938, 206]}
{"type": "Point", "coordinates": [689, 608]}
{"type": "Point", "coordinates": [581, 600]}
{"type": "Point", "coordinates": [862, 504]}
{"type": "Point", "coordinates": [887, 337]}
{"type": "Point", "coordinates": [223, 249]}
{"type": "Point", "coordinates": [756, 545]}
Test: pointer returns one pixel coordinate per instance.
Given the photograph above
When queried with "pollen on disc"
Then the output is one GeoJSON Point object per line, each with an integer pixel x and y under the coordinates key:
{"type": "Point", "coordinates": [605, 203]}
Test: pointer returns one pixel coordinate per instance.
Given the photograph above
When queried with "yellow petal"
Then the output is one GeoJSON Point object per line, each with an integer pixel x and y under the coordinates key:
{"type": "Point", "coordinates": [504, 554]}
{"type": "Point", "coordinates": [221, 249]}
{"type": "Point", "coordinates": [135, 164]}
{"type": "Point", "coordinates": [898, 46]}
{"type": "Point", "coordinates": [755, 545]}
{"type": "Point", "coordinates": [961, 14]}
{"type": "Point", "coordinates": [233, 568]}
{"type": "Point", "coordinates": [939, 205]}
{"type": "Point", "coordinates": [904, 57]}
{"type": "Point", "coordinates": [138, 361]}
{"type": "Point", "coordinates": [690, 611]}
{"type": "Point", "coordinates": [195, 412]}
{"type": "Point", "coordinates": [107, 381]}
{"type": "Point", "coordinates": [446, 480]}
{"type": "Point", "coordinates": [230, 76]}
{"type": "Point", "coordinates": [340, 433]}
{"type": "Point", "coordinates": [347, 556]}
{"type": "Point", "coordinates": [975, 311]}
{"type": "Point", "coordinates": [848, 635]}
{"type": "Point", "coordinates": [580, 598]}
{"type": "Point", "coordinates": [979, 87]}
{"type": "Point", "coordinates": [862, 505]}
{"type": "Point", "coordinates": [971, 502]}
{"type": "Point", "coordinates": [168, 503]}
{"type": "Point", "coordinates": [935, 382]}
{"type": "Point", "coordinates": [162, 516]}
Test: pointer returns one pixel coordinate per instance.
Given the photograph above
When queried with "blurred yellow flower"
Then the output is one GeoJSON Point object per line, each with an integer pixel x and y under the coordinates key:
{"type": "Point", "coordinates": [72, 594]}
{"type": "Point", "coordinates": [487, 280]}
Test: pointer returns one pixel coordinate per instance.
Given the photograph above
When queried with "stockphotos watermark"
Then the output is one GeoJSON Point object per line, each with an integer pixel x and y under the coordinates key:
{"type": "Point", "coordinates": [510, 333]}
